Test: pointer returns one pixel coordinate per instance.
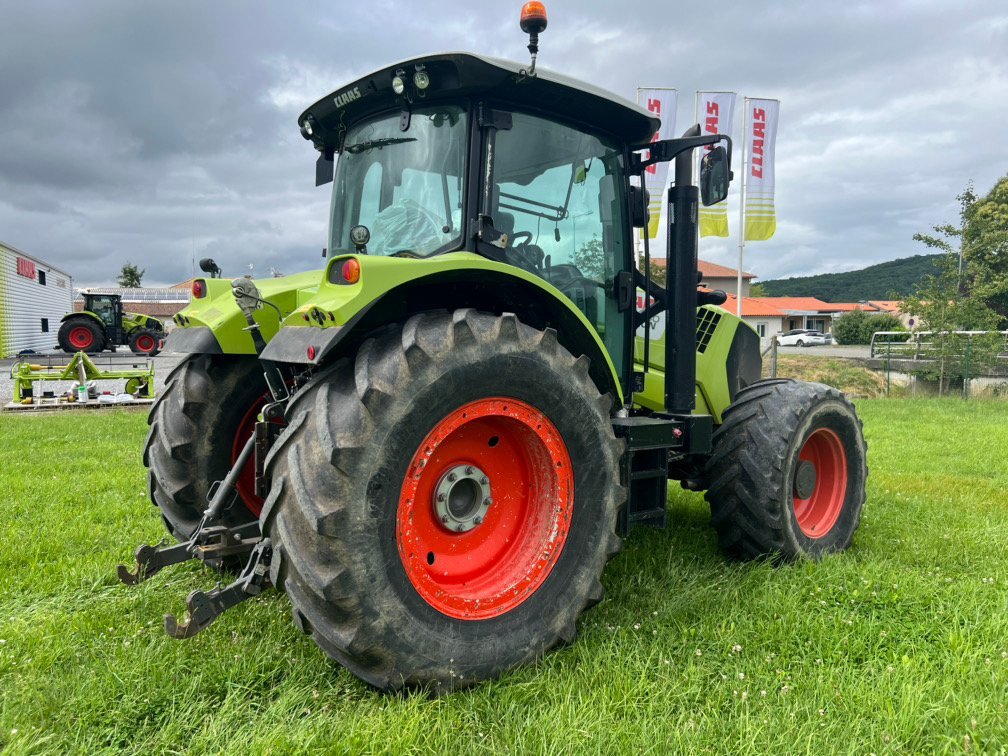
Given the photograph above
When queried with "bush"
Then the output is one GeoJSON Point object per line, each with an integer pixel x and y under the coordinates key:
{"type": "Point", "coordinates": [858, 326]}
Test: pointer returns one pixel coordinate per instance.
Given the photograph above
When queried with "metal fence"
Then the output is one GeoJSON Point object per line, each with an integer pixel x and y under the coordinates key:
{"type": "Point", "coordinates": [959, 354]}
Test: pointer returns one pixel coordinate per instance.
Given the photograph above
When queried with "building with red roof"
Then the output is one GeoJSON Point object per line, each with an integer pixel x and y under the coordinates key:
{"type": "Point", "coordinates": [717, 276]}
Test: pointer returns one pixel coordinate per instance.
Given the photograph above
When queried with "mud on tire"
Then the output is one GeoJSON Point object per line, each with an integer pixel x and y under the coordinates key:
{"type": "Point", "coordinates": [761, 503]}
{"type": "Point", "coordinates": [338, 474]}
{"type": "Point", "coordinates": [190, 444]}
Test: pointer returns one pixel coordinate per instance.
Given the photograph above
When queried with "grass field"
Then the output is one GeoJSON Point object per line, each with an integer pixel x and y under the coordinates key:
{"type": "Point", "coordinates": [901, 644]}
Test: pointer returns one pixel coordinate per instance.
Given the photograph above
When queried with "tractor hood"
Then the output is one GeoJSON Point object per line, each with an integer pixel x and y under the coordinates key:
{"type": "Point", "coordinates": [453, 76]}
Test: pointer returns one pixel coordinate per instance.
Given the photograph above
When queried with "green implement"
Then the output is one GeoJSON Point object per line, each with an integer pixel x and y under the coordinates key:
{"type": "Point", "coordinates": [139, 375]}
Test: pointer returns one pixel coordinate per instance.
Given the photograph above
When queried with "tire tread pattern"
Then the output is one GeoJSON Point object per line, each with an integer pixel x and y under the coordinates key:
{"type": "Point", "coordinates": [316, 562]}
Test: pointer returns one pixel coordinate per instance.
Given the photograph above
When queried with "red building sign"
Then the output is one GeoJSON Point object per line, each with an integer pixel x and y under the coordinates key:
{"type": "Point", "coordinates": [25, 268]}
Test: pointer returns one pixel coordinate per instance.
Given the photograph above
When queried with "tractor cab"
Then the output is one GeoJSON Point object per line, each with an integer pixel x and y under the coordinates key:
{"type": "Point", "coordinates": [108, 308]}
{"type": "Point", "coordinates": [456, 152]}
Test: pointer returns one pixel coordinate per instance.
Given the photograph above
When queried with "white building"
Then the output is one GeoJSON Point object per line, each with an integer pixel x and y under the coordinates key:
{"type": "Point", "coordinates": [772, 316]}
{"type": "Point", "coordinates": [34, 296]}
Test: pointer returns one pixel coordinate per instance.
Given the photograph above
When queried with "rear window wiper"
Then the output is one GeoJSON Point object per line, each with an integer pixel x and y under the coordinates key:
{"type": "Point", "coordinates": [377, 143]}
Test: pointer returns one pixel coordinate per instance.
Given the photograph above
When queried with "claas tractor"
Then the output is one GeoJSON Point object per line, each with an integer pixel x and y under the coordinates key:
{"type": "Point", "coordinates": [434, 444]}
{"type": "Point", "coordinates": [104, 324]}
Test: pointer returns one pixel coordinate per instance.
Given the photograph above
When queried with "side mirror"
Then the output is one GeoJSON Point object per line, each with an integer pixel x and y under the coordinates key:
{"type": "Point", "coordinates": [715, 175]}
{"type": "Point", "coordinates": [638, 206]}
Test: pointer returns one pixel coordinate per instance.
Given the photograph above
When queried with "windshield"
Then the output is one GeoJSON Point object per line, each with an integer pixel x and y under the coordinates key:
{"type": "Point", "coordinates": [404, 185]}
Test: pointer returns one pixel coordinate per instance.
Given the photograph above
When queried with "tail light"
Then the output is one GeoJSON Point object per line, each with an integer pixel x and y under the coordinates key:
{"type": "Point", "coordinates": [350, 271]}
{"type": "Point", "coordinates": [199, 288]}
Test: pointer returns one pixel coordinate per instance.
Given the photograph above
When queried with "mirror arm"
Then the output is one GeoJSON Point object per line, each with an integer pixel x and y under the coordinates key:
{"type": "Point", "coordinates": [665, 150]}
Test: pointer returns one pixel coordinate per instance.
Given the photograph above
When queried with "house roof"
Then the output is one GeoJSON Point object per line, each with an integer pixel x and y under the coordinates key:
{"type": "Point", "coordinates": [797, 304]}
{"type": "Point", "coordinates": [709, 269]}
{"type": "Point", "coordinates": [753, 307]}
{"type": "Point", "coordinates": [886, 305]}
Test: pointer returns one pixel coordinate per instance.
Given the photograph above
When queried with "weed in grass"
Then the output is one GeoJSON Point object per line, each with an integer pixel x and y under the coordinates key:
{"type": "Point", "coordinates": [901, 644]}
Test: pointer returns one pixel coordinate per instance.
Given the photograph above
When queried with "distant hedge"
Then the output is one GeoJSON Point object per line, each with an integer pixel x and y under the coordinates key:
{"type": "Point", "coordinates": [858, 326]}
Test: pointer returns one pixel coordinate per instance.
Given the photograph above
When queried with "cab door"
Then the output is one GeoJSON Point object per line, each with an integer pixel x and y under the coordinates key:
{"type": "Point", "coordinates": [559, 196]}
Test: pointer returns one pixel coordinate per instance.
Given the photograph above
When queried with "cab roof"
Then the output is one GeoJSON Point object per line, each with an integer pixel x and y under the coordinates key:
{"type": "Point", "coordinates": [455, 75]}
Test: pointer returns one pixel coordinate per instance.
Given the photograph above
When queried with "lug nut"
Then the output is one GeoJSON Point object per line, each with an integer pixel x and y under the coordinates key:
{"type": "Point", "coordinates": [441, 497]}
{"type": "Point", "coordinates": [452, 477]}
{"type": "Point", "coordinates": [469, 470]}
{"type": "Point", "coordinates": [487, 501]}
{"type": "Point", "coordinates": [477, 520]}
{"type": "Point", "coordinates": [484, 480]}
{"type": "Point", "coordinates": [444, 519]}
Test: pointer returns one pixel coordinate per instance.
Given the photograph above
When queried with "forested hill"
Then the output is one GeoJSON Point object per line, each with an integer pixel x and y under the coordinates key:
{"type": "Point", "coordinates": [888, 280]}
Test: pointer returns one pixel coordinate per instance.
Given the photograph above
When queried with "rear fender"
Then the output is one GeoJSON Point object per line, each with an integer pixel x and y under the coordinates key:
{"type": "Point", "coordinates": [488, 287]}
{"type": "Point", "coordinates": [98, 321]}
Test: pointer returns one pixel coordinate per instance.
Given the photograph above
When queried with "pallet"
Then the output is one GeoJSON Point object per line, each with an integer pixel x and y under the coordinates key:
{"type": "Point", "coordinates": [92, 405]}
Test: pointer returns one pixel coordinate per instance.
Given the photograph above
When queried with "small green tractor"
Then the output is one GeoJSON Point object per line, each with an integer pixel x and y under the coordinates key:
{"type": "Point", "coordinates": [434, 445]}
{"type": "Point", "coordinates": [103, 324]}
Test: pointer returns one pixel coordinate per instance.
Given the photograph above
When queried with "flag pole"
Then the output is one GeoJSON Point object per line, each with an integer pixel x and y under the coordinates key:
{"type": "Point", "coordinates": [742, 223]}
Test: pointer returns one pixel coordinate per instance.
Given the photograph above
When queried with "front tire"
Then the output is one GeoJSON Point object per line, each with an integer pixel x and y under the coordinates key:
{"type": "Point", "coordinates": [198, 426]}
{"type": "Point", "coordinates": [788, 471]}
{"type": "Point", "coordinates": [400, 571]}
{"type": "Point", "coordinates": [144, 341]}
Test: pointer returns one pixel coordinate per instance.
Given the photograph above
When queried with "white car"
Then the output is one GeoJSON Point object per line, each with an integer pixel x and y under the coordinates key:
{"type": "Point", "coordinates": [800, 337]}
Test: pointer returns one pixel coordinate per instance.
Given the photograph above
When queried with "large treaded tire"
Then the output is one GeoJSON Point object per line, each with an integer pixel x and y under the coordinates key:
{"type": "Point", "coordinates": [753, 465]}
{"type": "Point", "coordinates": [338, 470]}
{"type": "Point", "coordinates": [190, 444]}
{"type": "Point", "coordinates": [142, 337]}
{"type": "Point", "coordinates": [97, 334]}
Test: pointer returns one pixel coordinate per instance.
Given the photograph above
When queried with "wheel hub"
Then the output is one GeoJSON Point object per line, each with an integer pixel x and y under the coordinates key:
{"type": "Point", "coordinates": [470, 557]}
{"type": "Point", "coordinates": [462, 498]}
{"type": "Point", "coordinates": [804, 479]}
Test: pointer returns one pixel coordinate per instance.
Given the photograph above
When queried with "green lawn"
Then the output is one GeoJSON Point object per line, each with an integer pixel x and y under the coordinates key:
{"type": "Point", "coordinates": [901, 644]}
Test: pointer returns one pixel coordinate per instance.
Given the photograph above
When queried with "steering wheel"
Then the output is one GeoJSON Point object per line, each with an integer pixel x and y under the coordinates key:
{"type": "Point", "coordinates": [406, 226]}
{"type": "Point", "coordinates": [436, 225]}
{"type": "Point", "coordinates": [526, 235]}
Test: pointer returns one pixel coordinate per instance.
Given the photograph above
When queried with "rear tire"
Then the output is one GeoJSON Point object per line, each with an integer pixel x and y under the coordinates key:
{"type": "Point", "coordinates": [787, 474]}
{"type": "Point", "coordinates": [351, 544]}
{"type": "Point", "coordinates": [81, 334]}
{"type": "Point", "coordinates": [194, 425]}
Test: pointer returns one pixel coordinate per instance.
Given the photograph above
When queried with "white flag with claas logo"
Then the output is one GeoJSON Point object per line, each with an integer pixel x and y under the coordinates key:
{"type": "Point", "coordinates": [662, 103]}
{"type": "Point", "coordinates": [761, 138]}
{"type": "Point", "coordinates": [715, 114]}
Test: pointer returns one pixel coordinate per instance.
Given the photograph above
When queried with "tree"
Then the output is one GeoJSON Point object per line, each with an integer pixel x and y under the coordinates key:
{"type": "Point", "coordinates": [590, 259]}
{"type": "Point", "coordinates": [757, 290]}
{"type": "Point", "coordinates": [130, 276]}
{"type": "Point", "coordinates": [973, 274]}
{"type": "Point", "coordinates": [657, 271]}
{"type": "Point", "coordinates": [985, 247]}
{"type": "Point", "coordinates": [858, 326]}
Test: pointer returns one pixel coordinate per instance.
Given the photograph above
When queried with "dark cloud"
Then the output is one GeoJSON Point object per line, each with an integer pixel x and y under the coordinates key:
{"type": "Point", "coordinates": [162, 132]}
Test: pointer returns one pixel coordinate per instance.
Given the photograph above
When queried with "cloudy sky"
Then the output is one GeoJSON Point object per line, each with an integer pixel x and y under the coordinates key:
{"type": "Point", "coordinates": [160, 132]}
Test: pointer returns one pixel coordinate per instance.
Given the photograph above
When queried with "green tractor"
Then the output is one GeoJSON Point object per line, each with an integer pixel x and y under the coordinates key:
{"type": "Point", "coordinates": [103, 324]}
{"type": "Point", "coordinates": [434, 445]}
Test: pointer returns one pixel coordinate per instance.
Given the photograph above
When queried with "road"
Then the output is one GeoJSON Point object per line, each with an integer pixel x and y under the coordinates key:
{"type": "Point", "coordinates": [832, 350]}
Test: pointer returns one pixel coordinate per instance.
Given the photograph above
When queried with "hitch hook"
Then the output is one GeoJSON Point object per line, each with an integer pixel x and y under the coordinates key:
{"type": "Point", "coordinates": [204, 607]}
{"type": "Point", "coordinates": [151, 559]}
